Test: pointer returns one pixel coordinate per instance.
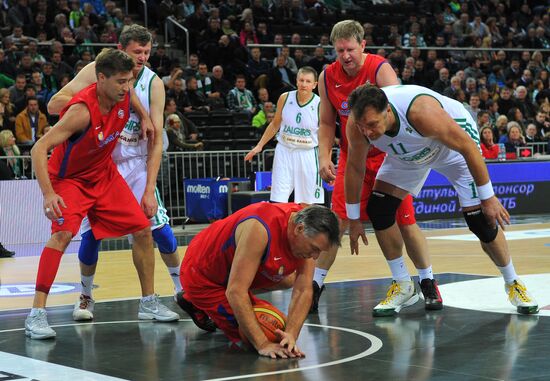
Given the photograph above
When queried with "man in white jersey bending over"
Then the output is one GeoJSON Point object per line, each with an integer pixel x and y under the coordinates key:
{"type": "Point", "coordinates": [138, 161]}
{"type": "Point", "coordinates": [296, 162]}
{"type": "Point", "coordinates": [421, 130]}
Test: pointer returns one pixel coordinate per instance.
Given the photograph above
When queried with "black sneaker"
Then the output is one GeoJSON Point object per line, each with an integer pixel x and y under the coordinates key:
{"type": "Point", "coordinates": [316, 295]}
{"type": "Point", "coordinates": [432, 297]}
{"type": "Point", "coordinates": [5, 253]}
{"type": "Point", "coordinates": [200, 318]}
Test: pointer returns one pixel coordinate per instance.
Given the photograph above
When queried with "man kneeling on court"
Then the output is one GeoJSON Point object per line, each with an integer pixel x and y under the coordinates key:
{"type": "Point", "coordinates": [256, 248]}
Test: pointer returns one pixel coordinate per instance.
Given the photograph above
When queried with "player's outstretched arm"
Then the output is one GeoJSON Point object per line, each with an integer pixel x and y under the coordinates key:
{"type": "Point", "coordinates": [327, 131]}
{"type": "Point", "coordinates": [271, 129]}
{"type": "Point", "coordinates": [84, 78]}
{"type": "Point", "coordinates": [358, 147]}
{"type": "Point", "coordinates": [431, 120]}
{"type": "Point", "coordinates": [75, 120]}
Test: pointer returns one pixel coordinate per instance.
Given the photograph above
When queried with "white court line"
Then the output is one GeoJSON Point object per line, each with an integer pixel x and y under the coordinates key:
{"type": "Point", "coordinates": [376, 344]}
{"type": "Point", "coordinates": [375, 347]}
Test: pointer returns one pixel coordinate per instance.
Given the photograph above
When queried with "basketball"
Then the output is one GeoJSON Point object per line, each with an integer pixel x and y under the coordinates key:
{"type": "Point", "coordinates": [270, 319]}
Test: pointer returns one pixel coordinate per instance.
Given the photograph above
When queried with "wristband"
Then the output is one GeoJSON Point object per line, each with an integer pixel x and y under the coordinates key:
{"type": "Point", "coordinates": [353, 211]}
{"type": "Point", "coordinates": [485, 191]}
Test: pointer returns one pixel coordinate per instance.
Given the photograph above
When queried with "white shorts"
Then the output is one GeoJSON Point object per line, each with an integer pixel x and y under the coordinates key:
{"type": "Point", "coordinates": [411, 177]}
{"type": "Point", "coordinates": [296, 170]}
{"type": "Point", "coordinates": [134, 171]}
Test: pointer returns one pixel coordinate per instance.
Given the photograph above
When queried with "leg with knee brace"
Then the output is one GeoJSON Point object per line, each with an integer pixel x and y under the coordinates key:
{"type": "Point", "coordinates": [89, 249]}
{"type": "Point", "coordinates": [479, 226]}
{"type": "Point", "coordinates": [381, 209]}
{"type": "Point", "coordinates": [165, 239]}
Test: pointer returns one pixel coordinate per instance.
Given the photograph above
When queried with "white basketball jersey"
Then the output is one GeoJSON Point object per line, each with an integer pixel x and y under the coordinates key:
{"type": "Point", "coordinates": [300, 123]}
{"type": "Point", "coordinates": [130, 145]}
{"type": "Point", "coordinates": [408, 144]}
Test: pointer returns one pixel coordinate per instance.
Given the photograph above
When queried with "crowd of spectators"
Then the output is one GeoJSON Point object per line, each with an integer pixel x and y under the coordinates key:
{"type": "Point", "coordinates": [43, 47]}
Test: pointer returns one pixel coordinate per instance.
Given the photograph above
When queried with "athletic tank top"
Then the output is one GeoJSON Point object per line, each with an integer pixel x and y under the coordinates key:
{"type": "Point", "coordinates": [409, 145]}
{"type": "Point", "coordinates": [300, 123]}
{"type": "Point", "coordinates": [130, 143]}
{"type": "Point", "coordinates": [87, 155]}
{"type": "Point", "coordinates": [213, 249]}
{"type": "Point", "coordinates": [339, 86]}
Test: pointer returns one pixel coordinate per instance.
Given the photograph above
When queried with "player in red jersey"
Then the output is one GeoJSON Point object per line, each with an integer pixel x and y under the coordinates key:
{"type": "Point", "coordinates": [352, 69]}
{"type": "Point", "coordinates": [81, 178]}
{"type": "Point", "coordinates": [256, 248]}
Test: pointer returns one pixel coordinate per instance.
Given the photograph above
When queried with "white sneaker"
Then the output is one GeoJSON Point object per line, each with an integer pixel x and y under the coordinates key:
{"type": "Point", "coordinates": [83, 308]}
{"type": "Point", "coordinates": [37, 327]}
{"type": "Point", "coordinates": [521, 298]}
{"type": "Point", "coordinates": [400, 295]}
{"type": "Point", "coordinates": [152, 308]}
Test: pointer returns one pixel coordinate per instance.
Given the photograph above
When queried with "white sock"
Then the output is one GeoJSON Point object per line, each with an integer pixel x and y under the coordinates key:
{"type": "Point", "coordinates": [175, 275]}
{"type": "Point", "coordinates": [425, 273]}
{"type": "Point", "coordinates": [508, 272]}
{"type": "Point", "coordinates": [34, 311]}
{"type": "Point", "coordinates": [319, 276]}
{"type": "Point", "coordinates": [87, 283]}
{"type": "Point", "coordinates": [399, 270]}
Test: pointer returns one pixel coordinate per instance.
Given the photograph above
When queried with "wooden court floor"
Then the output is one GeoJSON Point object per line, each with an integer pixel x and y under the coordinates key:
{"type": "Point", "coordinates": [476, 336]}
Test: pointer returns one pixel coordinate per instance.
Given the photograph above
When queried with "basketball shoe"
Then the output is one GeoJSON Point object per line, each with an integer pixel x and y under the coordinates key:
{"type": "Point", "coordinates": [150, 308]}
{"type": "Point", "coordinates": [317, 291]}
{"type": "Point", "coordinates": [83, 308]}
{"type": "Point", "coordinates": [432, 297]}
{"type": "Point", "coordinates": [37, 327]}
{"type": "Point", "coordinates": [521, 298]}
{"type": "Point", "coordinates": [200, 318]}
{"type": "Point", "coordinates": [400, 295]}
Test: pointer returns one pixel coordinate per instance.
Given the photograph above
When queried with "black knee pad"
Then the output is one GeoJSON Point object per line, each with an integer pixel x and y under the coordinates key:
{"type": "Point", "coordinates": [381, 210]}
{"type": "Point", "coordinates": [479, 226]}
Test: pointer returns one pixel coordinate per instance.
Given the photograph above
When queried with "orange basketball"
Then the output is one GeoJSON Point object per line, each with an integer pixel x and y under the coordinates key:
{"type": "Point", "coordinates": [270, 319]}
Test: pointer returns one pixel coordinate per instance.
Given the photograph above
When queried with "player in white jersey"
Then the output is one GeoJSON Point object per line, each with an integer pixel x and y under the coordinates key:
{"type": "Point", "coordinates": [421, 130]}
{"type": "Point", "coordinates": [138, 161]}
{"type": "Point", "coordinates": [296, 162]}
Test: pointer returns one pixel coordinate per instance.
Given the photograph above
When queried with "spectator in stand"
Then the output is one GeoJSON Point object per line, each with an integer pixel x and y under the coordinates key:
{"type": "Point", "coordinates": [261, 117]}
{"type": "Point", "coordinates": [179, 95]}
{"type": "Point", "coordinates": [9, 148]}
{"type": "Point", "coordinates": [512, 140]}
{"type": "Point", "coordinates": [463, 30]}
{"type": "Point", "coordinates": [220, 85]}
{"type": "Point", "coordinates": [300, 58]}
{"type": "Point", "coordinates": [195, 97]}
{"type": "Point", "coordinates": [497, 77]}
{"type": "Point", "coordinates": [406, 77]}
{"type": "Point", "coordinates": [6, 67]}
{"type": "Point", "coordinates": [443, 81]}
{"type": "Point", "coordinates": [192, 66]}
{"type": "Point", "coordinates": [43, 94]}
{"type": "Point", "coordinates": [60, 68]}
{"type": "Point", "coordinates": [319, 59]}
{"type": "Point", "coordinates": [176, 139]}
{"type": "Point", "coordinates": [241, 99]}
{"type": "Point", "coordinates": [189, 128]}
{"type": "Point", "coordinates": [263, 97]}
{"type": "Point", "coordinates": [227, 29]}
{"type": "Point", "coordinates": [505, 101]}
{"type": "Point", "coordinates": [489, 149]}
{"type": "Point", "coordinates": [501, 127]}
{"type": "Point", "coordinates": [541, 123]}
{"type": "Point", "coordinates": [452, 89]}
{"type": "Point", "coordinates": [528, 109]}
{"type": "Point", "coordinates": [515, 115]}
{"type": "Point", "coordinates": [30, 123]}
{"type": "Point", "coordinates": [258, 68]}
{"type": "Point", "coordinates": [7, 111]}
{"type": "Point", "coordinates": [479, 29]}
{"type": "Point", "coordinates": [176, 72]}
{"type": "Point", "coordinates": [248, 34]}
{"type": "Point", "coordinates": [160, 62]}
{"type": "Point", "coordinates": [531, 135]}
{"type": "Point", "coordinates": [473, 70]}
{"type": "Point", "coordinates": [280, 79]}
{"type": "Point", "coordinates": [483, 120]}
{"type": "Point", "coordinates": [473, 105]}
{"type": "Point", "coordinates": [19, 14]}
{"type": "Point", "coordinates": [414, 32]}
{"type": "Point", "coordinates": [492, 109]}
{"type": "Point", "coordinates": [513, 72]}
{"type": "Point", "coordinates": [289, 61]}
{"type": "Point", "coordinates": [17, 90]}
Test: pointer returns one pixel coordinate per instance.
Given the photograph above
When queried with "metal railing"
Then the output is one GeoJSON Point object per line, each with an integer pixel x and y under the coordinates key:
{"type": "Point", "coordinates": [145, 18]}
{"type": "Point", "coordinates": [173, 20]}
{"type": "Point", "coordinates": [176, 167]}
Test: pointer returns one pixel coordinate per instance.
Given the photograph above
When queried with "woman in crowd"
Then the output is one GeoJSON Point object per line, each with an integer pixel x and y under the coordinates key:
{"type": "Point", "coordinates": [489, 149]}
{"type": "Point", "coordinates": [176, 138]}
{"type": "Point", "coordinates": [9, 148]}
{"type": "Point", "coordinates": [7, 111]}
{"type": "Point", "coordinates": [513, 140]}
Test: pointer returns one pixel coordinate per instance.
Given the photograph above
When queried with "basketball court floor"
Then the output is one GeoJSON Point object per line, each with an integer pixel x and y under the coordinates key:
{"type": "Point", "coordinates": [477, 336]}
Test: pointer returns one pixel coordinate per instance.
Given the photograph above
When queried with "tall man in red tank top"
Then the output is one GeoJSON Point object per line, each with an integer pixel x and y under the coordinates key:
{"type": "Point", "coordinates": [81, 178]}
{"type": "Point", "coordinates": [352, 69]}
{"type": "Point", "coordinates": [256, 248]}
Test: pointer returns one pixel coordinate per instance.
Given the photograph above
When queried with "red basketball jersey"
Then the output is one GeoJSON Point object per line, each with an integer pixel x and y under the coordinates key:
{"type": "Point", "coordinates": [87, 155]}
{"type": "Point", "coordinates": [339, 86]}
{"type": "Point", "coordinates": [211, 252]}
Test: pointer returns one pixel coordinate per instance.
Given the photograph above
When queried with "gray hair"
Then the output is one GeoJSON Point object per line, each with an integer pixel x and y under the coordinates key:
{"type": "Point", "coordinates": [319, 220]}
{"type": "Point", "coordinates": [135, 33]}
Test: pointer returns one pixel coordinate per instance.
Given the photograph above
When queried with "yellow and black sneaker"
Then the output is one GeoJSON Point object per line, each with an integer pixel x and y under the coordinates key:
{"type": "Point", "coordinates": [521, 298]}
